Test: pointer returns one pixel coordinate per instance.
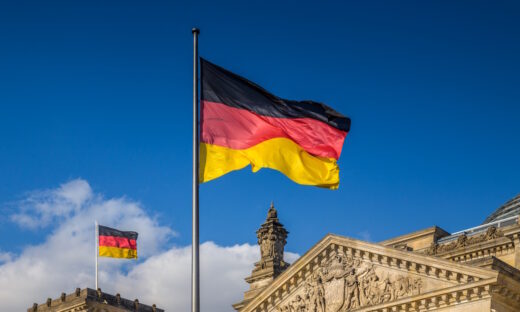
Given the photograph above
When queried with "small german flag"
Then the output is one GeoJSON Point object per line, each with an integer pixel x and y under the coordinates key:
{"type": "Point", "coordinates": [117, 244]}
{"type": "Point", "coordinates": [243, 124]}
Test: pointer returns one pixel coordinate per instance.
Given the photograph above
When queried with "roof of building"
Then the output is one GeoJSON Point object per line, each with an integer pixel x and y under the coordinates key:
{"type": "Point", "coordinates": [507, 210]}
{"type": "Point", "coordinates": [92, 297]}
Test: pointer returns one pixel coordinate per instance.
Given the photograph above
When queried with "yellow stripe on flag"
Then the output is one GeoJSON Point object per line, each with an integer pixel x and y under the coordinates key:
{"type": "Point", "coordinates": [280, 154]}
{"type": "Point", "coordinates": [115, 252]}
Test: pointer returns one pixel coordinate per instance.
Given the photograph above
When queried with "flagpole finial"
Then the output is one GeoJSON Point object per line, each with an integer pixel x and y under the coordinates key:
{"type": "Point", "coordinates": [195, 30]}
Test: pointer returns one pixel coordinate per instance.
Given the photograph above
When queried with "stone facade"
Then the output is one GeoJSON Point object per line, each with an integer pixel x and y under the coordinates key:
{"type": "Point", "coordinates": [428, 270]}
{"type": "Point", "coordinates": [90, 300]}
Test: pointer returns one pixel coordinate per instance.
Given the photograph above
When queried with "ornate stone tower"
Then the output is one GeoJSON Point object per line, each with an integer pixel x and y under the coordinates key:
{"type": "Point", "coordinates": [271, 239]}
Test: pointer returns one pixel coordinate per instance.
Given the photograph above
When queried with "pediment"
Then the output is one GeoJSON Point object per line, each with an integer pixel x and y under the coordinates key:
{"type": "Point", "coordinates": [344, 274]}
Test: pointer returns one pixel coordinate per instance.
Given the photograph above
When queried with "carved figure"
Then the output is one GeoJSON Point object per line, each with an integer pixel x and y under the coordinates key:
{"type": "Point", "coordinates": [298, 304]}
{"type": "Point", "coordinates": [432, 250]}
{"type": "Point", "coordinates": [315, 293]}
{"type": "Point", "coordinates": [463, 240]}
{"type": "Point", "coordinates": [400, 287]}
{"type": "Point", "coordinates": [265, 245]}
{"type": "Point", "coordinates": [351, 290]}
{"type": "Point", "coordinates": [492, 233]}
{"type": "Point", "coordinates": [344, 284]}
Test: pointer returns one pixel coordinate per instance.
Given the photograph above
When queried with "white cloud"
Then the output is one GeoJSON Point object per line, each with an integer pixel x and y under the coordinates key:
{"type": "Point", "coordinates": [65, 260]}
{"type": "Point", "coordinates": [166, 277]}
{"type": "Point", "coordinates": [364, 236]}
{"type": "Point", "coordinates": [5, 257]}
{"type": "Point", "coordinates": [41, 208]}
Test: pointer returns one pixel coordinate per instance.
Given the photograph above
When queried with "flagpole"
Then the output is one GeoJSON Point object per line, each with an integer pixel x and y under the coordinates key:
{"type": "Point", "coordinates": [96, 231]}
{"type": "Point", "coordinates": [195, 294]}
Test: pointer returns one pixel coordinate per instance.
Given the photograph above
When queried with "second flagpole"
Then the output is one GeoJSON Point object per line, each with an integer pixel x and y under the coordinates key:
{"type": "Point", "coordinates": [195, 277]}
{"type": "Point", "coordinates": [96, 231]}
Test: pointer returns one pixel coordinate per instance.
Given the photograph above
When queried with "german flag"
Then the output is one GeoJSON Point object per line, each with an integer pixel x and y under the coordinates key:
{"type": "Point", "coordinates": [117, 244]}
{"type": "Point", "coordinates": [243, 124]}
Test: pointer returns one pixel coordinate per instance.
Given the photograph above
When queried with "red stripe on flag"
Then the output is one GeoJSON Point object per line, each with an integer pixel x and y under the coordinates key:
{"type": "Point", "coordinates": [119, 242]}
{"type": "Point", "coordinates": [237, 128]}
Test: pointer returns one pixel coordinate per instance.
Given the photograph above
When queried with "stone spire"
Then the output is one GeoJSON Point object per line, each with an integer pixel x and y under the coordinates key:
{"type": "Point", "coordinates": [271, 239]}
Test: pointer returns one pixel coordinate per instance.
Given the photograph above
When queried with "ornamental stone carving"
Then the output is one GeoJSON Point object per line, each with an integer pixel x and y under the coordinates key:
{"type": "Point", "coordinates": [345, 284]}
{"type": "Point", "coordinates": [272, 237]}
{"type": "Point", "coordinates": [463, 240]}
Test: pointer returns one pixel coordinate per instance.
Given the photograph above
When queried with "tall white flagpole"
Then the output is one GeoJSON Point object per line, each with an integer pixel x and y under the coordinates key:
{"type": "Point", "coordinates": [195, 294]}
{"type": "Point", "coordinates": [96, 231]}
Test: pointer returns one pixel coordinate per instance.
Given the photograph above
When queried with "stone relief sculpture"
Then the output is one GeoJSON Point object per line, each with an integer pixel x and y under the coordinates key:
{"type": "Point", "coordinates": [315, 292]}
{"type": "Point", "coordinates": [463, 240]}
{"type": "Point", "coordinates": [266, 245]}
{"type": "Point", "coordinates": [344, 284]}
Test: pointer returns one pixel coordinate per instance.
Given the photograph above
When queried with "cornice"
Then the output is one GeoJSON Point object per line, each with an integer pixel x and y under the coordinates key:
{"type": "Point", "coordinates": [508, 294]}
{"type": "Point", "coordinates": [82, 306]}
{"type": "Point", "coordinates": [495, 247]}
{"type": "Point", "coordinates": [512, 230]}
{"type": "Point", "coordinates": [420, 259]}
{"type": "Point", "coordinates": [439, 299]}
{"type": "Point", "coordinates": [435, 230]}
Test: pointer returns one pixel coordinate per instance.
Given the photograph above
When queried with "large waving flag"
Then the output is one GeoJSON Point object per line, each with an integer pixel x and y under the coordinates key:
{"type": "Point", "coordinates": [242, 124]}
{"type": "Point", "coordinates": [117, 244]}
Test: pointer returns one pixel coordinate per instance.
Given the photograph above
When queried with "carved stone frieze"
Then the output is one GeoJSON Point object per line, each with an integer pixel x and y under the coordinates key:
{"type": "Point", "coordinates": [343, 284]}
{"type": "Point", "coordinates": [463, 240]}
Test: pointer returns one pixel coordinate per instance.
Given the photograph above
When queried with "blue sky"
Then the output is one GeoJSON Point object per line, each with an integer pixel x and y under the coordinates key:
{"type": "Point", "coordinates": [102, 91]}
